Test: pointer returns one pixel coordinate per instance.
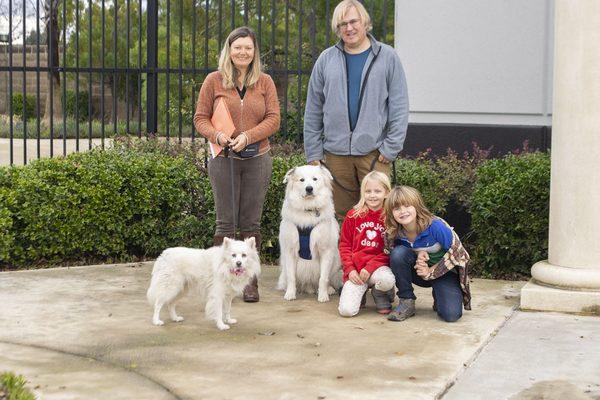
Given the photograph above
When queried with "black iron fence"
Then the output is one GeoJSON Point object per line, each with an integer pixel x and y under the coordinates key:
{"type": "Point", "coordinates": [88, 70]}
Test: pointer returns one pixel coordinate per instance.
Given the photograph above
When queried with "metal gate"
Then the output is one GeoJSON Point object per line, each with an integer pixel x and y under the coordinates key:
{"type": "Point", "coordinates": [76, 73]}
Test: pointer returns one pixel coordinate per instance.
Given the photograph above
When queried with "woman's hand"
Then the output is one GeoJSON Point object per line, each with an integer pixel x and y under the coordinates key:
{"type": "Point", "coordinates": [222, 140]}
{"type": "Point", "coordinates": [355, 278]}
{"type": "Point", "coordinates": [364, 275]}
{"type": "Point", "coordinates": [239, 142]}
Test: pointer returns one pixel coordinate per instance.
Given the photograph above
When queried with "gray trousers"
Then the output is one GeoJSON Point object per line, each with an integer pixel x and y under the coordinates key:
{"type": "Point", "coordinates": [251, 179]}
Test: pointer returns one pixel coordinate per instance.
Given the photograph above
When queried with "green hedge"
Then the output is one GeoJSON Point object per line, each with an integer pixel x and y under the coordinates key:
{"type": "Point", "coordinates": [103, 205]}
{"type": "Point", "coordinates": [133, 201]}
{"type": "Point", "coordinates": [510, 208]}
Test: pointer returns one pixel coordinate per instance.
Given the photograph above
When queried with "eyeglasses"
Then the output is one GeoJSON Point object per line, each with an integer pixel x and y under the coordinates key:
{"type": "Point", "coordinates": [345, 24]}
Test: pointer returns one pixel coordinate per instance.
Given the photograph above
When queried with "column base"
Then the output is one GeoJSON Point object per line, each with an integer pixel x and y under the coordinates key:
{"type": "Point", "coordinates": [536, 297]}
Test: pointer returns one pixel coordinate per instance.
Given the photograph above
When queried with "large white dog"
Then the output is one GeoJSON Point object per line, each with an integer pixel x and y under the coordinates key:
{"type": "Point", "coordinates": [219, 273]}
{"type": "Point", "coordinates": [308, 235]}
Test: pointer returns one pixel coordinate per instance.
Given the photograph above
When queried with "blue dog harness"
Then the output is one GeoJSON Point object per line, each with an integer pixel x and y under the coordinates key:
{"type": "Point", "coordinates": [304, 237]}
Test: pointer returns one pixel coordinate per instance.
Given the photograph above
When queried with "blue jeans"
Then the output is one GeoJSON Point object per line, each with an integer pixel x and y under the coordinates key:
{"type": "Point", "coordinates": [446, 289]}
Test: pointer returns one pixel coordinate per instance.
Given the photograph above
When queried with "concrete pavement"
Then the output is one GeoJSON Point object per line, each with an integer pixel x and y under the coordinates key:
{"type": "Point", "coordinates": [85, 332]}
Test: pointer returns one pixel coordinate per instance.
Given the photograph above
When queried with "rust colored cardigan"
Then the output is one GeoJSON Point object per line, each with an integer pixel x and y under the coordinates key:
{"type": "Point", "coordinates": [257, 115]}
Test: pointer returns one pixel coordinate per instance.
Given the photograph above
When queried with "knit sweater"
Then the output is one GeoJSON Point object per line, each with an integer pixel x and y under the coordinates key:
{"type": "Point", "coordinates": [361, 242]}
{"type": "Point", "coordinates": [257, 115]}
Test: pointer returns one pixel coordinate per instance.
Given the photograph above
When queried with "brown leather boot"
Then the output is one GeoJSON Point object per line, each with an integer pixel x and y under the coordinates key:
{"type": "Point", "coordinates": [218, 239]}
{"type": "Point", "coordinates": [251, 290]}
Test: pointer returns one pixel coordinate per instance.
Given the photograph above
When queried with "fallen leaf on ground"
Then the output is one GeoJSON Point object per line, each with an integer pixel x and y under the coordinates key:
{"type": "Point", "coordinates": [300, 336]}
{"type": "Point", "coordinates": [266, 333]}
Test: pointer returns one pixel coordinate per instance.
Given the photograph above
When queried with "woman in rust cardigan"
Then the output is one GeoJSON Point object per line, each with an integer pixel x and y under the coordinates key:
{"type": "Point", "coordinates": [251, 98]}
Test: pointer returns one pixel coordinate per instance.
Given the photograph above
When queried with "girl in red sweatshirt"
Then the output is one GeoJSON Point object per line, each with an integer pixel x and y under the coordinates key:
{"type": "Point", "coordinates": [361, 249]}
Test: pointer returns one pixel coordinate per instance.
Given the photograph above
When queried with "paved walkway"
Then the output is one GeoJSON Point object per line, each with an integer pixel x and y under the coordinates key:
{"type": "Point", "coordinates": [85, 333]}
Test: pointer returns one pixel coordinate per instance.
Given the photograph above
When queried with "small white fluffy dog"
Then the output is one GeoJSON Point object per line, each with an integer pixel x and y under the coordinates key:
{"type": "Point", "coordinates": [219, 273]}
{"type": "Point", "coordinates": [308, 204]}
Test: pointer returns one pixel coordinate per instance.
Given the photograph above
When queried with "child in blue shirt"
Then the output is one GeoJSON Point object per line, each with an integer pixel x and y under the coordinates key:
{"type": "Point", "coordinates": [423, 250]}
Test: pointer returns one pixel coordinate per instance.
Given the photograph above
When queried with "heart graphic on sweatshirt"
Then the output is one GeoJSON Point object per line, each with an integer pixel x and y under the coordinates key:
{"type": "Point", "coordinates": [371, 235]}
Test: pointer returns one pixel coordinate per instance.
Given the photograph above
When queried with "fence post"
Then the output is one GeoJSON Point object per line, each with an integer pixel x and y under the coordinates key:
{"type": "Point", "coordinates": [152, 76]}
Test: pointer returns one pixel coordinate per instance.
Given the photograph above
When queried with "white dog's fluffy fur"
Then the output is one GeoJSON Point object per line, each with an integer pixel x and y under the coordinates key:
{"type": "Point", "coordinates": [219, 273]}
{"type": "Point", "coordinates": [309, 202]}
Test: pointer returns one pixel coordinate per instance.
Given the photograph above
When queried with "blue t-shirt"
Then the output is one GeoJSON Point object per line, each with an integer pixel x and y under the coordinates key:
{"type": "Point", "coordinates": [435, 240]}
{"type": "Point", "coordinates": [355, 64]}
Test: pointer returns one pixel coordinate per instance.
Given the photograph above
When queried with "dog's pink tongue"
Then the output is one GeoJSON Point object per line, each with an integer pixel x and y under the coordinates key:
{"type": "Point", "coordinates": [237, 272]}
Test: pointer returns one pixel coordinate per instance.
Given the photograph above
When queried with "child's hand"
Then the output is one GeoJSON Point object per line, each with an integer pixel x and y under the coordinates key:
{"type": "Point", "coordinates": [355, 278]}
{"type": "Point", "coordinates": [422, 269]}
{"type": "Point", "coordinates": [422, 256]}
{"type": "Point", "coordinates": [364, 275]}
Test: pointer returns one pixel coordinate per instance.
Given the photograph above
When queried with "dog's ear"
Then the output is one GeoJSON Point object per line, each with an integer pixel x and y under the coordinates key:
{"type": "Point", "coordinates": [326, 173]}
{"type": "Point", "coordinates": [289, 175]}
{"type": "Point", "coordinates": [251, 242]}
{"type": "Point", "coordinates": [226, 242]}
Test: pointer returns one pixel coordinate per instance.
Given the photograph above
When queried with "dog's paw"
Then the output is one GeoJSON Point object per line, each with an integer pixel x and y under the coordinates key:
{"type": "Point", "coordinates": [323, 297]}
{"type": "Point", "coordinates": [331, 290]}
{"type": "Point", "coordinates": [290, 295]}
{"type": "Point", "coordinates": [231, 321]}
{"type": "Point", "coordinates": [177, 319]}
{"type": "Point", "coordinates": [158, 322]}
{"type": "Point", "coordinates": [222, 326]}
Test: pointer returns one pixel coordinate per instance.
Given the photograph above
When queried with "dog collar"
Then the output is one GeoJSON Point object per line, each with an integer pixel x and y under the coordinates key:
{"type": "Point", "coordinates": [315, 210]}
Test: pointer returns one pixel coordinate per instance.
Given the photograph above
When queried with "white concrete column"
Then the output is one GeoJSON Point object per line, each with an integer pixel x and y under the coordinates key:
{"type": "Point", "coordinates": [570, 279]}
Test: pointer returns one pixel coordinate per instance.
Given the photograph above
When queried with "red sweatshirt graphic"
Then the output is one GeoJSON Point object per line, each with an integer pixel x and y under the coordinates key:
{"type": "Point", "coordinates": [361, 242]}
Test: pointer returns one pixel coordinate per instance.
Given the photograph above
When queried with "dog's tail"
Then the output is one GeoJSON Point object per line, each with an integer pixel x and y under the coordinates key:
{"type": "Point", "coordinates": [159, 264]}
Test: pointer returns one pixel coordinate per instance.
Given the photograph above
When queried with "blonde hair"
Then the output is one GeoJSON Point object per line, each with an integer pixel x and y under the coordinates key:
{"type": "Point", "coordinates": [361, 208]}
{"type": "Point", "coordinates": [405, 196]}
{"type": "Point", "coordinates": [226, 67]}
{"type": "Point", "coordinates": [341, 10]}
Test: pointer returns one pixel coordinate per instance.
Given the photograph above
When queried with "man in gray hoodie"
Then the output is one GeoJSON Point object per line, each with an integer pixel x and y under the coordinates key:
{"type": "Point", "coordinates": [357, 106]}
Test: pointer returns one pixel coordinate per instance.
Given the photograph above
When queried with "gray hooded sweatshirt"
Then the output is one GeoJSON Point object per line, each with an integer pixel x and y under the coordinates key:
{"type": "Point", "coordinates": [382, 108]}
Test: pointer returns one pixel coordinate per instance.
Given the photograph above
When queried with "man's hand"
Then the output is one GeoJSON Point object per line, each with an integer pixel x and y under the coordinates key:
{"type": "Point", "coordinates": [315, 163]}
{"type": "Point", "coordinates": [355, 278]}
{"type": "Point", "coordinates": [383, 160]}
{"type": "Point", "coordinates": [364, 275]}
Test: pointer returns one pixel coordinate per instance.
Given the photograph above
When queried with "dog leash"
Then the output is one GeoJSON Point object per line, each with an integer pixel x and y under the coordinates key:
{"type": "Point", "coordinates": [226, 150]}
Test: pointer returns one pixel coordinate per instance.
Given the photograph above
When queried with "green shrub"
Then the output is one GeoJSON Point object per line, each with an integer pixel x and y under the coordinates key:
{"type": "Point", "coordinates": [6, 224]}
{"type": "Point", "coordinates": [12, 387]}
{"type": "Point", "coordinates": [72, 103]}
{"type": "Point", "coordinates": [509, 209]}
{"type": "Point", "coordinates": [26, 112]}
{"type": "Point", "coordinates": [142, 196]}
{"type": "Point", "coordinates": [421, 175]}
{"type": "Point", "coordinates": [106, 205]}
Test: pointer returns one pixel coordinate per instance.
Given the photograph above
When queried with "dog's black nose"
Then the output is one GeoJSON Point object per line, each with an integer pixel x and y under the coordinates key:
{"type": "Point", "coordinates": [309, 189]}
{"type": "Point", "coordinates": [239, 263]}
